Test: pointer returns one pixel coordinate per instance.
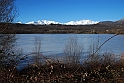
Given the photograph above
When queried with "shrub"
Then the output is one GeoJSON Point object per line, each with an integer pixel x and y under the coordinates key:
{"type": "Point", "coordinates": [72, 51]}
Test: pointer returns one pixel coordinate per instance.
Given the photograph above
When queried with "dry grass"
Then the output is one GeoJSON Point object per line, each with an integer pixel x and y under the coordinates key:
{"type": "Point", "coordinates": [107, 70]}
{"type": "Point", "coordinates": [97, 68]}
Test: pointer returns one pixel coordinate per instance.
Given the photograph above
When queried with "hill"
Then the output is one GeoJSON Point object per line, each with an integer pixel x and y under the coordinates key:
{"type": "Point", "coordinates": [105, 27]}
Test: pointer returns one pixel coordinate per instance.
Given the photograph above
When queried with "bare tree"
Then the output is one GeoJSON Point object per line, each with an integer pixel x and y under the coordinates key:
{"type": "Point", "coordinates": [9, 51]}
{"type": "Point", "coordinates": [73, 51]}
{"type": "Point", "coordinates": [37, 50]}
{"type": "Point", "coordinates": [8, 13]}
{"type": "Point", "coordinates": [7, 41]}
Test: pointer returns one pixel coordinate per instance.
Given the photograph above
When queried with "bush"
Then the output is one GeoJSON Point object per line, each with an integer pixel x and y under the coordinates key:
{"type": "Point", "coordinates": [72, 51]}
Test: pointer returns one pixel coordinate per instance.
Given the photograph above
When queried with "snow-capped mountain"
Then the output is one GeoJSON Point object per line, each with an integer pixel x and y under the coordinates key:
{"type": "Point", "coordinates": [81, 22]}
{"type": "Point", "coordinates": [43, 22]}
{"type": "Point", "coordinates": [47, 22]}
{"type": "Point", "coordinates": [19, 22]}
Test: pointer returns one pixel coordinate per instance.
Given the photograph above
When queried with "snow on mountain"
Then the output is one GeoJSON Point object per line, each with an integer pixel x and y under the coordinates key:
{"type": "Point", "coordinates": [32, 22]}
{"type": "Point", "coordinates": [81, 22]}
{"type": "Point", "coordinates": [43, 22]}
{"type": "Point", "coordinates": [20, 22]}
{"type": "Point", "coordinates": [47, 22]}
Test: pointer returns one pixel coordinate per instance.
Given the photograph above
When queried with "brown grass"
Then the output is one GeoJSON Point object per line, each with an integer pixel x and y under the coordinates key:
{"type": "Point", "coordinates": [105, 69]}
{"type": "Point", "coordinates": [97, 68]}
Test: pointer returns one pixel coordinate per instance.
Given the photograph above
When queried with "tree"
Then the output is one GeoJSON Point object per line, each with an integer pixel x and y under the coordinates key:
{"type": "Point", "coordinates": [7, 41]}
{"type": "Point", "coordinates": [73, 51]}
{"type": "Point", "coordinates": [8, 13]}
{"type": "Point", "coordinates": [37, 49]}
{"type": "Point", "coordinates": [10, 54]}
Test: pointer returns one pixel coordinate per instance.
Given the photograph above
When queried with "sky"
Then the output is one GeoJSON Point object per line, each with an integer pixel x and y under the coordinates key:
{"type": "Point", "coordinates": [69, 10]}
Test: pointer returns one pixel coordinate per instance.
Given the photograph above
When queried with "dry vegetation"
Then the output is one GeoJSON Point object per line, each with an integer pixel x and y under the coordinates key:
{"type": "Point", "coordinates": [101, 68]}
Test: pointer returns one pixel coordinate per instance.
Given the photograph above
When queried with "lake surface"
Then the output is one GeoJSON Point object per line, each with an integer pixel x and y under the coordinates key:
{"type": "Point", "coordinates": [53, 44]}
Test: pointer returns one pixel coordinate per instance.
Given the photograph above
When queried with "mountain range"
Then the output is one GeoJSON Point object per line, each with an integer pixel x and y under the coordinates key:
{"type": "Point", "coordinates": [77, 27]}
{"type": "Point", "coordinates": [47, 22]}
{"type": "Point", "coordinates": [118, 22]}
{"type": "Point", "coordinates": [78, 22]}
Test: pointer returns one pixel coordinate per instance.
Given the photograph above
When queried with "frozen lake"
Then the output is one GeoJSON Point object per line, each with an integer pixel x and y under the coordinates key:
{"type": "Point", "coordinates": [53, 44]}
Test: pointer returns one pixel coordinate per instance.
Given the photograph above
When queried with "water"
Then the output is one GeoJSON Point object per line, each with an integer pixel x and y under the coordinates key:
{"type": "Point", "coordinates": [52, 44]}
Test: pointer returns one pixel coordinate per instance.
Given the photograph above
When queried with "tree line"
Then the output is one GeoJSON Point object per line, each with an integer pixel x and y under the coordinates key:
{"type": "Point", "coordinates": [63, 29]}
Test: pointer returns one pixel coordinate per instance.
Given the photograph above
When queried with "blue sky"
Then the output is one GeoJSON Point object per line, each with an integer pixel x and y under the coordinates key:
{"type": "Point", "coordinates": [69, 10]}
